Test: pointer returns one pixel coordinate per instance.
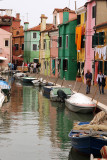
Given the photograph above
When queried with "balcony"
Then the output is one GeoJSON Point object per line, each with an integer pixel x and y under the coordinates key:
{"type": "Point", "coordinates": [5, 21]}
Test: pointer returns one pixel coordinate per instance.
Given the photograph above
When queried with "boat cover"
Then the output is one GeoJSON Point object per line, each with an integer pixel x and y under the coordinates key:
{"type": "Point", "coordinates": [4, 85]}
{"type": "Point", "coordinates": [79, 99]}
{"type": "Point", "coordinates": [66, 91]}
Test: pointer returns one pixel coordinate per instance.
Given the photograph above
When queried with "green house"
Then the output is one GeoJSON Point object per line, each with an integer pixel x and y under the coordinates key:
{"type": "Point", "coordinates": [67, 53]}
{"type": "Point", "coordinates": [31, 43]}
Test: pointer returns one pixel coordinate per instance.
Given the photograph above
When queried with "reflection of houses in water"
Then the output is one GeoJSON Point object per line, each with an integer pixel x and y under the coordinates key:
{"type": "Point", "coordinates": [30, 98]}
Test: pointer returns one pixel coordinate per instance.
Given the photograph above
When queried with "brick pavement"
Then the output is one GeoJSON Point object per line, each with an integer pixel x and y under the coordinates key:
{"type": "Point", "coordinates": [79, 87]}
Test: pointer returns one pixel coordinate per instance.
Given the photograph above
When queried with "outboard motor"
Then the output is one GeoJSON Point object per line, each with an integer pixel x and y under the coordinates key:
{"type": "Point", "coordinates": [61, 94]}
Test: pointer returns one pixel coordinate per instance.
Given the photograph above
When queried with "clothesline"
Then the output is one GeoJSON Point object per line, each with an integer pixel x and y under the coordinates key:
{"type": "Point", "coordinates": [101, 52]}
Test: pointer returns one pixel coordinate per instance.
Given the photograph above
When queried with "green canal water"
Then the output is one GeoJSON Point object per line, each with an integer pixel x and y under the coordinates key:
{"type": "Point", "coordinates": [34, 128]}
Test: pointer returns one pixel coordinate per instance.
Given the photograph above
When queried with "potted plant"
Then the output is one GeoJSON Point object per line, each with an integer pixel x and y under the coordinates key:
{"type": "Point", "coordinates": [78, 77]}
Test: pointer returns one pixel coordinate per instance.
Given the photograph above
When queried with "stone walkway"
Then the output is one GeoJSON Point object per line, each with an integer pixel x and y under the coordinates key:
{"type": "Point", "coordinates": [79, 87]}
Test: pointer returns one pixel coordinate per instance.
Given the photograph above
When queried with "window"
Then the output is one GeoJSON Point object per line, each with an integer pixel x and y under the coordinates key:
{"type": "Point", "coordinates": [34, 47]}
{"type": "Point", "coordinates": [34, 35]}
{"type": "Point", "coordinates": [22, 46]}
{"type": "Point", "coordinates": [6, 43]}
{"type": "Point", "coordinates": [65, 64]}
{"type": "Point", "coordinates": [105, 68]}
{"type": "Point", "coordinates": [95, 40]}
{"type": "Point", "coordinates": [16, 47]}
{"type": "Point", "coordinates": [67, 41]}
{"type": "Point", "coordinates": [78, 19]}
{"type": "Point", "coordinates": [60, 41]}
{"type": "Point", "coordinates": [45, 44]}
{"type": "Point", "coordinates": [83, 41]}
{"type": "Point", "coordinates": [101, 38]}
{"type": "Point", "coordinates": [94, 12]}
{"type": "Point", "coordinates": [17, 33]}
{"type": "Point", "coordinates": [55, 20]}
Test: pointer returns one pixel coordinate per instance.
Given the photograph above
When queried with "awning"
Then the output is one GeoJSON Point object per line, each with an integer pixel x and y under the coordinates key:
{"type": "Point", "coordinates": [17, 58]}
{"type": "Point", "coordinates": [3, 58]}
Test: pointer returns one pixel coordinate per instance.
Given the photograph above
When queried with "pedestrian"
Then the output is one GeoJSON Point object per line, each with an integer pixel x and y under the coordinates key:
{"type": "Point", "coordinates": [31, 68]}
{"type": "Point", "coordinates": [9, 66]}
{"type": "Point", "coordinates": [101, 82]}
{"type": "Point", "coordinates": [37, 67]}
{"type": "Point", "coordinates": [34, 67]}
{"type": "Point", "coordinates": [88, 77]}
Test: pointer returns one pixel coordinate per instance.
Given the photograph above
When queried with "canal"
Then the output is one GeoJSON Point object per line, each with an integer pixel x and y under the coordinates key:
{"type": "Point", "coordinates": [34, 128]}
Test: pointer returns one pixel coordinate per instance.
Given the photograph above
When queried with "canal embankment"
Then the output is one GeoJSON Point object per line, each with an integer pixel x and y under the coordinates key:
{"type": "Point", "coordinates": [99, 99]}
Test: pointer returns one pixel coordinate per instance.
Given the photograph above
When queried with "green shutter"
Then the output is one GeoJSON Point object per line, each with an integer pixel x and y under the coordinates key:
{"type": "Point", "coordinates": [101, 38]}
{"type": "Point", "coordinates": [94, 40]}
{"type": "Point", "coordinates": [53, 66]}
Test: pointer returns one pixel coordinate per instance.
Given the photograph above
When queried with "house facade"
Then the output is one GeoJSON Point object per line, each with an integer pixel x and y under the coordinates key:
{"type": "Point", "coordinates": [31, 43]}
{"type": "Point", "coordinates": [80, 39]}
{"type": "Point", "coordinates": [5, 49]}
{"type": "Point", "coordinates": [44, 54]}
{"type": "Point", "coordinates": [90, 23]}
{"type": "Point", "coordinates": [67, 53]}
{"type": "Point", "coordinates": [18, 45]}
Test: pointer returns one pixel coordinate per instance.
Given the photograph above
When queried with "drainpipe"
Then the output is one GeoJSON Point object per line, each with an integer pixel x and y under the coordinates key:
{"type": "Point", "coordinates": [11, 50]}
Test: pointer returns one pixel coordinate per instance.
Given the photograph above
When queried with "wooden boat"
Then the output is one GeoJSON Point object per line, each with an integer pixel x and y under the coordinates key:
{"type": "Point", "coordinates": [80, 103]}
{"type": "Point", "coordinates": [2, 98]}
{"type": "Point", "coordinates": [5, 87]}
{"type": "Point", "coordinates": [54, 96]}
{"type": "Point", "coordinates": [27, 79]}
{"type": "Point", "coordinates": [88, 141]}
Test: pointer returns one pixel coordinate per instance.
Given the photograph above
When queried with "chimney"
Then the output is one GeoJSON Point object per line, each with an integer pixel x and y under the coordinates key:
{"type": "Point", "coordinates": [26, 26]}
{"type": "Point", "coordinates": [43, 22]}
{"type": "Point", "coordinates": [17, 15]}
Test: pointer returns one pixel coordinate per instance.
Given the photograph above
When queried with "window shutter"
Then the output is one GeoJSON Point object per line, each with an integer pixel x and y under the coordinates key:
{"type": "Point", "coordinates": [101, 38]}
{"type": "Point", "coordinates": [78, 19]}
{"type": "Point", "coordinates": [65, 64]}
{"type": "Point", "coordinates": [94, 12]}
{"type": "Point", "coordinates": [82, 41]}
{"type": "Point", "coordinates": [100, 66]}
{"type": "Point", "coordinates": [105, 68]}
{"type": "Point", "coordinates": [94, 40]}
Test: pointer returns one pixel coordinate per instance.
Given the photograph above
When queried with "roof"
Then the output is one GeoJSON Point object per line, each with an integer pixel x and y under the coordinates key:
{"type": "Point", "coordinates": [73, 19]}
{"type": "Point", "coordinates": [92, 1]}
{"type": "Point", "coordinates": [36, 28]}
{"type": "Point", "coordinates": [48, 27]}
{"type": "Point", "coordinates": [66, 9]}
{"type": "Point", "coordinates": [101, 25]}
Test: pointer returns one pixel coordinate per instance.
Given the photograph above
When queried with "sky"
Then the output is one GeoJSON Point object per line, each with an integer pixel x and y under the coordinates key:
{"type": "Point", "coordinates": [31, 10]}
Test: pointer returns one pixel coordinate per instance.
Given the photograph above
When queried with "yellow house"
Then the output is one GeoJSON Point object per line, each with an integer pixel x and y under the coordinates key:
{"type": "Point", "coordinates": [44, 53]}
{"type": "Point", "coordinates": [100, 43]}
{"type": "Point", "coordinates": [80, 38]}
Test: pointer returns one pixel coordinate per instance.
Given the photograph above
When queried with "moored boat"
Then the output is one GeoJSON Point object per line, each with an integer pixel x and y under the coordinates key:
{"type": "Point", "coordinates": [27, 79]}
{"type": "Point", "coordinates": [80, 103]}
{"type": "Point", "coordinates": [5, 87]}
{"type": "Point", "coordinates": [54, 96]}
{"type": "Point", "coordinates": [47, 89]}
{"type": "Point", "coordinates": [36, 82]}
{"type": "Point", "coordinates": [19, 75]}
{"type": "Point", "coordinates": [2, 98]}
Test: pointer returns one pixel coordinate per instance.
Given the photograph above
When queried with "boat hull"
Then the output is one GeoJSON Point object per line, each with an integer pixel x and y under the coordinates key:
{"type": "Point", "coordinates": [2, 99]}
{"type": "Point", "coordinates": [88, 144]}
{"type": "Point", "coordinates": [79, 109]}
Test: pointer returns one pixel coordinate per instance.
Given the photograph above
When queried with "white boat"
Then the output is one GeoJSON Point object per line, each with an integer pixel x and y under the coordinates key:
{"type": "Point", "coordinates": [36, 83]}
{"type": "Point", "coordinates": [19, 75]}
{"type": "Point", "coordinates": [54, 96]}
{"type": "Point", "coordinates": [2, 98]}
{"type": "Point", "coordinates": [78, 102]}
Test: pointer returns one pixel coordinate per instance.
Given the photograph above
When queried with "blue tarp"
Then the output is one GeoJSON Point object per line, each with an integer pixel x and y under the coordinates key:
{"type": "Point", "coordinates": [4, 85]}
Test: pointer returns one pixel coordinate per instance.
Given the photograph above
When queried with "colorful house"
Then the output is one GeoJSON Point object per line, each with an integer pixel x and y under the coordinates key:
{"type": "Point", "coordinates": [90, 23]}
{"type": "Point", "coordinates": [67, 53]}
{"type": "Point", "coordinates": [44, 54]}
{"type": "Point", "coordinates": [100, 39]}
{"type": "Point", "coordinates": [5, 49]}
{"type": "Point", "coordinates": [18, 45]}
{"type": "Point", "coordinates": [31, 43]}
{"type": "Point", "coordinates": [80, 38]}
{"type": "Point", "coordinates": [57, 20]}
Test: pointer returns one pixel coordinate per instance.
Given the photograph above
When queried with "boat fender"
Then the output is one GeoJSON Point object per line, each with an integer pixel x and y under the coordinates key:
{"type": "Point", "coordinates": [61, 94]}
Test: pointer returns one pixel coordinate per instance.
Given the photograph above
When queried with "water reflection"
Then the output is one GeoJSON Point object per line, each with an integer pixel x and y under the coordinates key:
{"type": "Point", "coordinates": [33, 127]}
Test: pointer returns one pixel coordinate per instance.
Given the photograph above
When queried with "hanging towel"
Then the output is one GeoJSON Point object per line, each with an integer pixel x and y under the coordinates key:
{"type": "Point", "coordinates": [78, 37]}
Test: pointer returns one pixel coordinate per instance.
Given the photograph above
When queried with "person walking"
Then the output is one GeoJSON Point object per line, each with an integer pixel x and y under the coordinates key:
{"type": "Point", "coordinates": [34, 67]}
{"type": "Point", "coordinates": [101, 82]}
{"type": "Point", "coordinates": [88, 77]}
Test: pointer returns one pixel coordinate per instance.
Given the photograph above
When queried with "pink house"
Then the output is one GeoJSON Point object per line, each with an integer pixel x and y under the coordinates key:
{"type": "Point", "coordinates": [5, 48]}
{"type": "Point", "coordinates": [54, 34]}
{"type": "Point", "coordinates": [90, 23]}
